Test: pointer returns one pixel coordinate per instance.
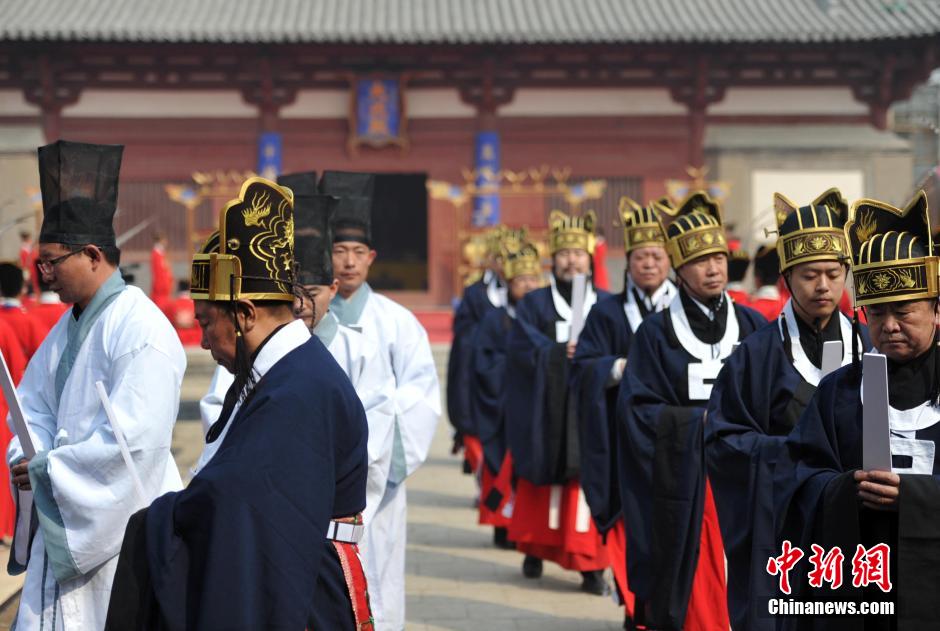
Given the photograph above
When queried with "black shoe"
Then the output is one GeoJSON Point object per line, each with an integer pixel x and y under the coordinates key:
{"type": "Point", "coordinates": [532, 567]}
{"type": "Point", "coordinates": [501, 539]}
{"type": "Point", "coordinates": [593, 583]}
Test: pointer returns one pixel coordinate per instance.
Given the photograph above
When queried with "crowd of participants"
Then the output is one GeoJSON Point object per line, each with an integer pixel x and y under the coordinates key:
{"type": "Point", "coordinates": [702, 442]}
{"type": "Point", "coordinates": [325, 401]}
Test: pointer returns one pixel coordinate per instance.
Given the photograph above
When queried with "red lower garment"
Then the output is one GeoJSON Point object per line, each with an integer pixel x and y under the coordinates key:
{"type": "Point", "coordinates": [356, 584]}
{"type": "Point", "coordinates": [553, 523]}
{"type": "Point", "coordinates": [495, 494]}
{"type": "Point", "coordinates": [472, 452]}
{"type": "Point", "coordinates": [708, 603]}
{"type": "Point", "coordinates": [617, 549]}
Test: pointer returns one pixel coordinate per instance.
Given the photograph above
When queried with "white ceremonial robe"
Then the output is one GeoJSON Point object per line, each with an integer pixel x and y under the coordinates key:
{"type": "Point", "coordinates": [417, 404]}
{"type": "Point", "coordinates": [373, 381]}
{"type": "Point", "coordinates": [82, 490]}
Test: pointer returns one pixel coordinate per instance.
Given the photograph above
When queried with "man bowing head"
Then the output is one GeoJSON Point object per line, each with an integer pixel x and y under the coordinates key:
{"type": "Point", "coordinates": [264, 534]}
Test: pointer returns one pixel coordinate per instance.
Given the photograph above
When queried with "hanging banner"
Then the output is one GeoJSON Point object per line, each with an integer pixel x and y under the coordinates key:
{"type": "Point", "coordinates": [269, 155]}
{"type": "Point", "coordinates": [377, 113]}
{"type": "Point", "coordinates": [486, 162]}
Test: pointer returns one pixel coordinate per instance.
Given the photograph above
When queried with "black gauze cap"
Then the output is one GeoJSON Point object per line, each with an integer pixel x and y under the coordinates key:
{"type": "Point", "coordinates": [304, 183]}
{"type": "Point", "coordinates": [79, 184]}
{"type": "Point", "coordinates": [313, 238]}
{"type": "Point", "coordinates": [352, 216]}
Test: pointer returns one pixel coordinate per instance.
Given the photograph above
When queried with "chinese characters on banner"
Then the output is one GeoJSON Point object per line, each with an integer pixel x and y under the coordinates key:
{"type": "Point", "coordinates": [377, 113]}
{"type": "Point", "coordinates": [486, 204]}
{"type": "Point", "coordinates": [269, 155]}
{"type": "Point", "coordinates": [870, 566]}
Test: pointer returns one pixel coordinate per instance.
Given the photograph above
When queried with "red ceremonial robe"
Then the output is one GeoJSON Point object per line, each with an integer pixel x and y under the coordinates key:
{"type": "Point", "coordinates": [28, 329]}
{"type": "Point", "coordinates": [16, 361]}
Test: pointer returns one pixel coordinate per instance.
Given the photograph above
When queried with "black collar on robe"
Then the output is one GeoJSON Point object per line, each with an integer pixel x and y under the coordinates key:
{"type": "Point", "coordinates": [812, 342]}
{"type": "Point", "coordinates": [707, 330]}
{"type": "Point", "coordinates": [564, 287]}
{"type": "Point", "coordinates": [913, 382]}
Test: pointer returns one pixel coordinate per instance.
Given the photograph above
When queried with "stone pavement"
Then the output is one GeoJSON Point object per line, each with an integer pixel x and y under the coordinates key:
{"type": "Point", "coordinates": [456, 579]}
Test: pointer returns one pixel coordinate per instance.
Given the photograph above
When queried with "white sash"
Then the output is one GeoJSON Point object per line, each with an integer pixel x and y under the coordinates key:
{"type": "Point", "coordinates": [563, 309]}
{"type": "Point", "coordinates": [801, 362]}
{"type": "Point", "coordinates": [660, 299]}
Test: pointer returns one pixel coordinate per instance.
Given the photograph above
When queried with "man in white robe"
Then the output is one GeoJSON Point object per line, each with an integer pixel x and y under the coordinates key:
{"type": "Point", "coordinates": [75, 495]}
{"type": "Point", "coordinates": [416, 399]}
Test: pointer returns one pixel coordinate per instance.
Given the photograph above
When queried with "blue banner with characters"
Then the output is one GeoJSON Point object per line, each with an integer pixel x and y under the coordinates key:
{"type": "Point", "coordinates": [378, 111]}
{"type": "Point", "coordinates": [486, 205]}
{"type": "Point", "coordinates": [269, 155]}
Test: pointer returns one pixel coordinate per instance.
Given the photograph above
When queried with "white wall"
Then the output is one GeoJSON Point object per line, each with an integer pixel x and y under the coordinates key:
{"type": "Point", "coordinates": [800, 187]}
{"type": "Point", "coordinates": [591, 102]}
{"type": "Point", "coordinates": [161, 104]}
{"type": "Point", "coordinates": [788, 101]}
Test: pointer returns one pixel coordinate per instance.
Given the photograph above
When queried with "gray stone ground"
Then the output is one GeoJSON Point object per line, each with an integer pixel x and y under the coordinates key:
{"type": "Point", "coordinates": [456, 579]}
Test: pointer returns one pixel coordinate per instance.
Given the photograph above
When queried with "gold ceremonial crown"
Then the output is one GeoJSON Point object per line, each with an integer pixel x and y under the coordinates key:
{"type": "Point", "coordinates": [696, 229]}
{"type": "Point", "coordinates": [641, 226]}
{"type": "Point", "coordinates": [569, 232]}
{"type": "Point", "coordinates": [252, 254]}
{"type": "Point", "coordinates": [523, 260]}
{"type": "Point", "coordinates": [892, 251]}
{"type": "Point", "coordinates": [811, 233]}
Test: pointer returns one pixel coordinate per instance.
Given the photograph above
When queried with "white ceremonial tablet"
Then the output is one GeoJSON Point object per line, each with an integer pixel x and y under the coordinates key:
{"type": "Point", "coordinates": [831, 357]}
{"type": "Point", "coordinates": [16, 411]}
{"type": "Point", "coordinates": [578, 296]}
{"type": "Point", "coordinates": [876, 435]}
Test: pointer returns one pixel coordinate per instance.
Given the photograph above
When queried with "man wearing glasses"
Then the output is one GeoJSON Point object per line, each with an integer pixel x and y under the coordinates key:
{"type": "Point", "coordinates": [77, 481]}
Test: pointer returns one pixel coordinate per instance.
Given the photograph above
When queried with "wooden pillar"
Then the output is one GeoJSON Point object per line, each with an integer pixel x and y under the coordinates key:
{"type": "Point", "coordinates": [269, 98]}
{"type": "Point", "coordinates": [697, 94]}
{"type": "Point", "coordinates": [50, 97]}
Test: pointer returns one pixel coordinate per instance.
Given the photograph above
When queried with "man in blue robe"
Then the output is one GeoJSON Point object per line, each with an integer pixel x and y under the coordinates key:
{"type": "Point", "coordinates": [480, 298]}
{"type": "Point", "coordinates": [763, 389]}
{"type": "Point", "coordinates": [522, 270]}
{"type": "Point", "coordinates": [264, 535]}
{"type": "Point", "coordinates": [598, 368]}
{"type": "Point", "coordinates": [885, 523]}
{"type": "Point", "coordinates": [672, 530]}
{"type": "Point", "coordinates": [551, 519]}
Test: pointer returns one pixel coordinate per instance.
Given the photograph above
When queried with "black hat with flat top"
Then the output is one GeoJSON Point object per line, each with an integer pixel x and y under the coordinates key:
{"type": "Point", "coordinates": [79, 183]}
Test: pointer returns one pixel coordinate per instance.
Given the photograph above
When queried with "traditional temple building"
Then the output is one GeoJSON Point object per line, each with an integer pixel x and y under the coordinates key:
{"type": "Point", "coordinates": [768, 95]}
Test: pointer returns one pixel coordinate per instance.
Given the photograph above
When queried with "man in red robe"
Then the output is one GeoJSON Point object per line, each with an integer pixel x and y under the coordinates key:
{"type": "Point", "coordinates": [28, 255]}
{"type": "Point", "coordinates": [29, 331]}
{"type": "Point", "coordinates": [16, 362]}
{"type": "Point", "coordinates": [767, 300]}
{"type": "Point", "coordinates": [182, 315]}
{"type": "Point", "coordinates": [160, 275]}
{"type": "Point", "coordinates": [48, 308]}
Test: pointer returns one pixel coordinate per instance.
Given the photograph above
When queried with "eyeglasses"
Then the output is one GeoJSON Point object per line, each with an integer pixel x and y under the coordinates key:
{"type": "Point", "coordinates": [46, 267]}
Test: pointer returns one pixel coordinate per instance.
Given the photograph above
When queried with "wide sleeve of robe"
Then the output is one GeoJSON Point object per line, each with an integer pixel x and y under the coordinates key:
{"type": "Point", "coordinates": [488, 373]}
{"type": "Point", "coordinates": [661, 472]}
{"type": "Point", "coordinates": [536, 388]}
{"type": "Point", "coordinates": [597, 400]}
{"type": "Point", "coordinates": [754, 388]}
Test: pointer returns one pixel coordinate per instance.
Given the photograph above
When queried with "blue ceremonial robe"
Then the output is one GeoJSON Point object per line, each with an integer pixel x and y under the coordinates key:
{"type": "Point", "coordinates": [815, 501]}
{"type": "Point", "coordinates": [757, 399]}
{"type": "Point", "coordinates": [243, 546]}
{"type": "Point", "coordinates": [660, 409]}
{"type": "Point", "coordinates": [543, 430]}
{"type": "Point", "coordinates": [474, 305]}
{"type": "Point", "coordinates": [488, 376]}
{"type": "Point", "coordinates": [605, 338]}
